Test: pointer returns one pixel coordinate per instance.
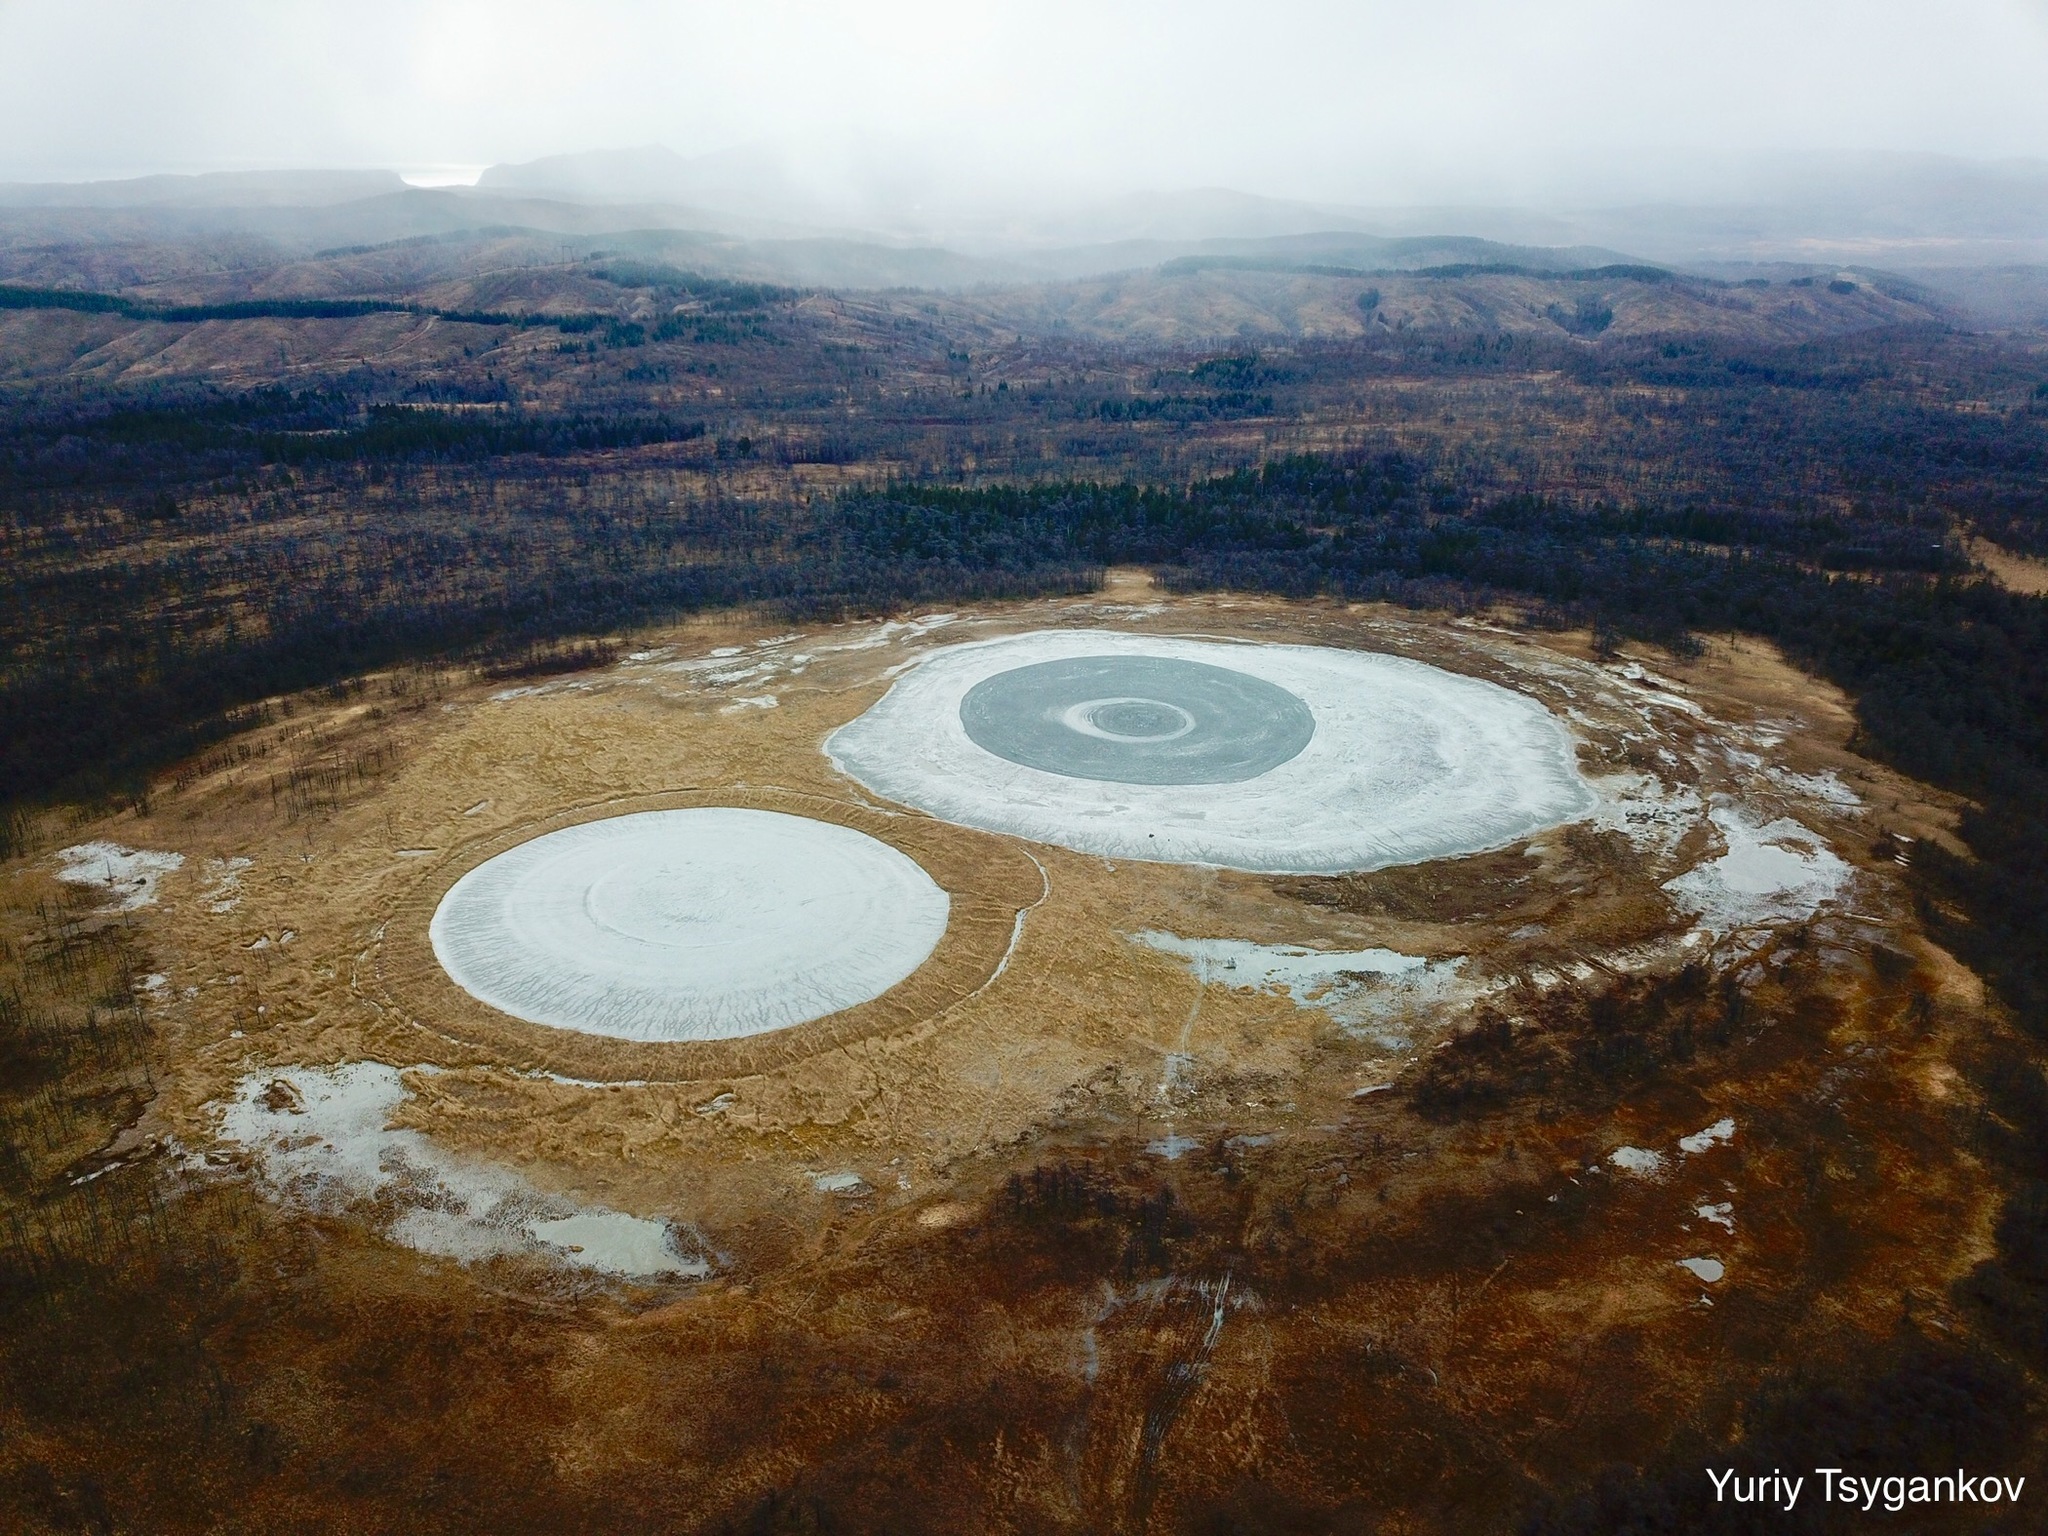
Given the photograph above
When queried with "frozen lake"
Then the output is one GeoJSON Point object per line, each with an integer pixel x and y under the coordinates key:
{"type": "Point", "coordinates": [708, 924]}
{"type": "Point", "coordinates": [1275, 758]}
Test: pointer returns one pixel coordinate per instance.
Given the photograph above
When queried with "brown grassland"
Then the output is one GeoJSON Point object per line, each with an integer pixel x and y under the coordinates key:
{"type": "Point", "coordinates": [1388, 1280]}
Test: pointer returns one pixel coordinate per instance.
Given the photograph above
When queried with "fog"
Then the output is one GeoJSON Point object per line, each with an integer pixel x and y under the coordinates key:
{"type": "Point", "coordinates": [999, 104]}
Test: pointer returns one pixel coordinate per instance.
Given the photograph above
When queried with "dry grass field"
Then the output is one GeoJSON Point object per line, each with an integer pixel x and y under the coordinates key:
{"type": "Point", "coordinates": [1067, 1232]}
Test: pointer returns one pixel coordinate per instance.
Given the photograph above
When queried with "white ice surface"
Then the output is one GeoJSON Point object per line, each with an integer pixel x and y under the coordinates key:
{"type": "Point", "coordinates": [129, 876]}
{"type": "Point", "coordinates": [321, 1137]}
{"type": "Point", "coordinates": [1709, 1270]}
{"type": "Point", "coordinates": [1408, 763]}
{"type": "Point", "coordinates": [1772, 872]}
{"type": "Point", "coordinates": [706, 924]}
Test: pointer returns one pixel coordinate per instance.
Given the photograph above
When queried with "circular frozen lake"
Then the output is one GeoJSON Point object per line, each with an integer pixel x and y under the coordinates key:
{"type": "Point", "coordinates": [1137, 720]}
{"type": "Point", "coordinates": [1275, 758]}
{"type": "Point", "coordinates": [705, 924]}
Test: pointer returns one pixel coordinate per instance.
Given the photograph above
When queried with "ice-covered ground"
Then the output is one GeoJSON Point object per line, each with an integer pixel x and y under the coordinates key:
{"type": "Point", "coordinates": [1362, 989]}
{"type": "Point", "coordinates": [1772, 872]}
{"type": "Point", "coordinates": [322, 1138]}
{"type": "Point", "coordinates": [1640, 1161]}
{"type": "Point", "coordinates": [706, 924]}
{"type": "Point", "coordinates": [129, 876]}
{"type": "Point", "coordinates": [1407, 762]}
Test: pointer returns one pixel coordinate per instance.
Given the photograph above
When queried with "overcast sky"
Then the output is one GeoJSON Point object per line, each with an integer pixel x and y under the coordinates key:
{"type": "Point", "coordinates": [1358, 100]}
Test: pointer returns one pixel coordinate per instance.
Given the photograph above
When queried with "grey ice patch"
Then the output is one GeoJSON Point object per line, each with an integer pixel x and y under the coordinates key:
{"type": "Point", "coordinates": [1137, 720]}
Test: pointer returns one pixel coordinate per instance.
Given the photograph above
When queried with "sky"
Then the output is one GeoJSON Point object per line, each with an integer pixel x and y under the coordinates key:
{"type": "Point", "coordinates": [1359, 100]}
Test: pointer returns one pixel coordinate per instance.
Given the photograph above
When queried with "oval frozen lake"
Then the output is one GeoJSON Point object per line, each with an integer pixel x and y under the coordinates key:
{"type": "Point", "coordinates": [703, 924]}
{"type": "Point", "coordinates": [1294, 760]}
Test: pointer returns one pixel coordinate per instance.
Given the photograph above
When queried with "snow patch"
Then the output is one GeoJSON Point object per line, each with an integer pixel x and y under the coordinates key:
{"type": "Point", "coordinates": [129, 876]}
{"type": "Point", "coordinates": [1709, 1270]}
{"type": "Point", "coordinates": [1653, 816]}
{"type": "Point", "coordinates": [838, 1183]}
{"type": "Point", "coordinates": [224, 894]}
{"type": "Point", "coordinates": [1720, 1213]}
{"type": "Point", "coordinates": [1699, 1141]}
{"type": "Point", "coordinates": [1359, 988]}
{"type": "Point", "coordinates": [322, 1139]}
{"type": "Point", "coordinates": [894, 630]}
{"type": "Point", "coordinates": [1640, 1161]}
{"type": "Point", "coordinates": [1772, 872]}
{"type": "Point", "coordinates": [1826, 787]}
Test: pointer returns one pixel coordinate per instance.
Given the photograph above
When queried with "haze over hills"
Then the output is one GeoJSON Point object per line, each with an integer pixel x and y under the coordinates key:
{"type": "Point", "coordinates": [1974, 231]}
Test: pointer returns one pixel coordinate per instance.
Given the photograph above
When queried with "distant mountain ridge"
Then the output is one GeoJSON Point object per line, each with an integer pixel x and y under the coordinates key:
{"type": "Point", "coordinates": [754, 213]}
{"type": "Point", "coordinates": [210, 189]}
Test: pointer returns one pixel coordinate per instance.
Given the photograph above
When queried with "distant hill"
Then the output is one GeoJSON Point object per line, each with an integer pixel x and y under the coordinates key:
{"type": "Point", "coordinates": [1204, 303]}
{"type": "Point", "coordinates": [213, 190]}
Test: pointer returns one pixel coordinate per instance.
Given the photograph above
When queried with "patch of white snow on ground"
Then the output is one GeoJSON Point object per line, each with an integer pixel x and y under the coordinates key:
{"type": "Point", "coordinates": [707, 924]}
{"type": "Point", "coordinates": [838, 1183]}
{"type": "Point", "coordinates": [1653, 816]}
{"type": "Point", "coordinates": [1357, 987]}
{"type": "Point", "coordinates": [895, 629]}
{"type": "Point", "coordinates": [1825, 787]}
{"type": "Point", "coordinates": [1772, 872]}
{"type": "Point", "coordinates": [322, 1138]}
{"type": "Point", "coordinates": [1709, 1270]}
{"type": "Point", "coordinates": [1720, 1213]}
{"type": "Point", "coordinates": [1407, 762]}
{"type": "Point", "coordinates": [129, 876]}
{"type": "Point", "coordinates": [1640, 1161]}
{"type": "Point", "coordinates": [225, 893]}
{"type": "Point", "coordinates": [1699, 1141]}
